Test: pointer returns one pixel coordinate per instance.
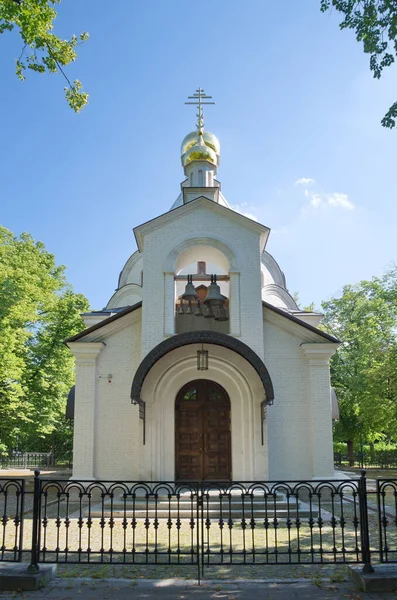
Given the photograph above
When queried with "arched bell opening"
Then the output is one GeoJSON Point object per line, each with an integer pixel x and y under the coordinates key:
{"type": "Point", "coordinates": [202, 290]}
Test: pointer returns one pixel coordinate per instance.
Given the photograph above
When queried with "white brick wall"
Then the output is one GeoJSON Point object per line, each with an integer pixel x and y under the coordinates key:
{"type": "Point", "coordinates": [205, 223]}
{"type": "Point", "coordinates": [118, 436]}
{"type": "Point", "coordinates": [299, 423]}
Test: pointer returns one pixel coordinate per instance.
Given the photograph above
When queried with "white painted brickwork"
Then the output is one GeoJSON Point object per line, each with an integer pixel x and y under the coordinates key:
{"type": "Point", "coordinates": [202, 223]}
{"type": "Point", "coordinates": [288, 420]}
{"type": "Point", "coordinates": [299, 423]}
{"type": "Point", "coordinates": [108, 431]}
{"type": "Point", "coordinates": [118, 427]}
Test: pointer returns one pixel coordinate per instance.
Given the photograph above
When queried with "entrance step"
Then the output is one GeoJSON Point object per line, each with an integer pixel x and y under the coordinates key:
{"type": "Point", "coordinates": [212, 514]}
{"type": "Point", "coordinates": [213, 508]}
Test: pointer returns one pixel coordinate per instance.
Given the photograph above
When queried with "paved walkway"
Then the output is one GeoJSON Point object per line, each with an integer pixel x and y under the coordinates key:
{"type": "Point", "coordinates": [174, 589]}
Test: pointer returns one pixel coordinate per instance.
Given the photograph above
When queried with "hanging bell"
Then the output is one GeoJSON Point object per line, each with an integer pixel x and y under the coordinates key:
{"type": "Point", "coordinates": [198, 312]}
{"type": "Point", "coordinates": [189, 293]}
{"type": "Point", "coordinates": [180, 309]}
{"type": "Point", "coordinates": [221, 314]}
{"type": "Point", "coordinates": [208, 313]}
{"type": "Point", "coordinates": [189, 308]}
{"type": "Point", "coordinates": [214, 296]}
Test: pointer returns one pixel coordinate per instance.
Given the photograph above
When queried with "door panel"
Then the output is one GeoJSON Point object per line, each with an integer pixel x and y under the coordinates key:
{"type": "Point", "coordinates": [189, 436]}
{"type": "Point", "coordinates": [202, 432]}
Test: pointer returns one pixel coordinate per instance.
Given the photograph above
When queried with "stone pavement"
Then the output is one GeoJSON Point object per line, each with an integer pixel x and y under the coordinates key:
{"type": "Point", "coordinates": [178, 589]}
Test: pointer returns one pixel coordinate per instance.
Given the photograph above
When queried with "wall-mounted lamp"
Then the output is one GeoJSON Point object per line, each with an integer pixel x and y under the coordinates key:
{"type": "Point", "coordinates": [202, 359]}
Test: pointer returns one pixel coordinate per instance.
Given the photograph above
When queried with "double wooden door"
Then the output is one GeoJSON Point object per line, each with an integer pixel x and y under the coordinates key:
{"type": "Point", "coordinates": [202, 432]}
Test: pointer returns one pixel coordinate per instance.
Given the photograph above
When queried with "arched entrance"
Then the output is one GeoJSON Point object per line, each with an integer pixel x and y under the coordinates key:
{"type": "Point", "coordinates": [202, 432]}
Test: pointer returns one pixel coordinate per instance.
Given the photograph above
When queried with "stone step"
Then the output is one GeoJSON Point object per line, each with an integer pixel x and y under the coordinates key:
{"type": "Point", "coordinates": [173, 504]}
{"type": "Point", "coordinates": [210, 514]}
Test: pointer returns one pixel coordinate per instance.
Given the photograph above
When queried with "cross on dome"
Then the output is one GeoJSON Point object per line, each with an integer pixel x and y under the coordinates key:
{"type": "Point", "coordinates": [198, 98]}
{"type": "Point", "coordinates": [200, 145]}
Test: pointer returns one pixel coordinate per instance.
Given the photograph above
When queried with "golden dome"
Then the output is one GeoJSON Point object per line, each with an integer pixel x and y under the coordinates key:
{"type": "Point", "coordinates": [199, 151]}
{"type": "Point", "coordinates": [209, 139]}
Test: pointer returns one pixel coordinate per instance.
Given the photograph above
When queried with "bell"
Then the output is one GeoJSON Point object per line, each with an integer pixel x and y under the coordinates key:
{"type": "Point", "coordinates": [208, 314]}
{"type": "Point", "coordinates": [214, 296]}
{"type": "Point", "coordinates": [189, 308]}
{"type": "Point", "coordinates": [221, 314]}
{"type": "Point", "coordinates": [198, 312]}
{"type": "Point", "coordinates": [180, 309]}
{"type": "Point", "coordinates": [190, 292]}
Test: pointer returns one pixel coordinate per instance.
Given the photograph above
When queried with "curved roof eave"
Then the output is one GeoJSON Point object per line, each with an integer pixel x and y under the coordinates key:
{"type": "Point", "coordinates": [198, 337]}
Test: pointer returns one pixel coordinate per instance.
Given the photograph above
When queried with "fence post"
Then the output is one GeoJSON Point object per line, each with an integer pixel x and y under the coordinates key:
{"type": "Point", "coordinates": [381, 520]}
{"type": "Point", "coordinates": [22, 513]}
{"type": "Point", "coordinates": [364, 528]}
{"type": "Point", "coordinates": [34, 567]}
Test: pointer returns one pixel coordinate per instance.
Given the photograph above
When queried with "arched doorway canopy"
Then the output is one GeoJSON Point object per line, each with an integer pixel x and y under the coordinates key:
{"type": "Point", "coordinates": [198, 337]}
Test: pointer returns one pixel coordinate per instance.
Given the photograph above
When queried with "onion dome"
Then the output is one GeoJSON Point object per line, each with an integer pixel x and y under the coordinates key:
{"type": "Point", "coordinates": [209, 140]}
{"type": "Point", "coordinates": [199, 151]}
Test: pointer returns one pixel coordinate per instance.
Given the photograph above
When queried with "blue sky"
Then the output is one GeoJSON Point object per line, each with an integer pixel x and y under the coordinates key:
{"type": "Point", "coordinates": [295, 100]}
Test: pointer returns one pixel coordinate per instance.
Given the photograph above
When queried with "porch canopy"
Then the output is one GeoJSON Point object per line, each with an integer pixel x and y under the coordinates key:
{"type": "Point", "coordinates": [207, 338]}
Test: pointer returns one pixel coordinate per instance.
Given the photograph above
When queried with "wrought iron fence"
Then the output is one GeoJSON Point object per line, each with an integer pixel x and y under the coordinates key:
{"type": "Point", "coordinates": [386, 491]}
{"type": "Point", "coordinates": [203, 524]}
{"type": "Point", "coordinates": [25, 460]}
{"type": "Point", "coordinates": [282, 523]}
{"type": "Point", "coordinates": [383, 459]}
{"type": "Point", "coordinates": [12, 498]}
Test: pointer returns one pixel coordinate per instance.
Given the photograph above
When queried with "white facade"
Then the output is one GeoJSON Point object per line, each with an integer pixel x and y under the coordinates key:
{"type": "Point", "coordinates": [270, 360]}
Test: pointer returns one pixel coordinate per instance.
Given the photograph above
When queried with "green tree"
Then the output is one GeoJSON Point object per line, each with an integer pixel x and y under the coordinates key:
{"type": "Point", "coordinates": [364, 369]}
{"type": "Point", "coordinates": [42, 51]}
{"type": "Point", "coordinates": [38, 310]}
{"type": "Point", "coordinates": [375, 25]}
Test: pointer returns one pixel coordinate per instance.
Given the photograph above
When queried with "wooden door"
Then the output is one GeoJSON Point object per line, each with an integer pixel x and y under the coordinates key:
{"type": "Point", "coordinates": [202, 432]}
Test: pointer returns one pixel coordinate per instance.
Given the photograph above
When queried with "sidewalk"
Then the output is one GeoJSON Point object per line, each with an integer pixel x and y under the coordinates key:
{"type": "Point", "coordinates": [179, 589]}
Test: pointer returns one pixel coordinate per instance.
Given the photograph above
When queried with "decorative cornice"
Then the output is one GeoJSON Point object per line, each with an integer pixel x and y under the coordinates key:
{"type": "Point", "coordinates": [86, 352]}
{"type": "Point", "coordinates": [319, 354]}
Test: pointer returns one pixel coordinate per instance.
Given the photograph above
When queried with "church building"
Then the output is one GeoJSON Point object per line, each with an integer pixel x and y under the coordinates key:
{"type": "Point", "coordinates": [202, 366]}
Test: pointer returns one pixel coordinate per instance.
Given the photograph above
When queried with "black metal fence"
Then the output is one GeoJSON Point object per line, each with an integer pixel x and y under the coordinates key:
{"type": "Point", "coordinates": [386, 491]}
{"type": "Point", "coordinates": [383, 459]}
{"type": "Point", "coordinates": [12, 517]}
{"type": "Point", "coordinates": [26, 460]}
{"type": "Point", "coordinates": [198, 523]}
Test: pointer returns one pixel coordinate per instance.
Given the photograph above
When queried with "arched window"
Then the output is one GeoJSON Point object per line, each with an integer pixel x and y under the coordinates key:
{"type": "Point", "coordinates": [200, 178]}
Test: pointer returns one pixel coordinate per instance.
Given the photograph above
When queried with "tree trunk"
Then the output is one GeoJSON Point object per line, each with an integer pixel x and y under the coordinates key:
{"type": "Point", "coordinates": [350, 452]}
{"type": "Point", "coordinates": [372, 452]}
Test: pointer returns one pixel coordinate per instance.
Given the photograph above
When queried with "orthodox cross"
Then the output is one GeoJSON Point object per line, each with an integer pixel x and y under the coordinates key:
{"type": "Point", "coordinates": [198, 98]}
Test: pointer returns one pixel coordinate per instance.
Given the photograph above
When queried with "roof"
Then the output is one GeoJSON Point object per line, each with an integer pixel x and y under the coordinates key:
{"type": "Point", "coordinates": [130, 309]}
{"type": "Point", "coordinates": [287, 315]}
{"type": "Point", "coordinates": [103, 323]}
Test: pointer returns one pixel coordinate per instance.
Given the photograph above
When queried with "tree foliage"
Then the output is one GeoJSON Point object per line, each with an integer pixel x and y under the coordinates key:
{"type": "Point", "coordinates": [375, 25]}
{"type": "Point", "coordinates": [38, 310]}
{"type": "Point", "coordinates": [42, 51]}
{"type": "Point", "coordinates": [364, 369]}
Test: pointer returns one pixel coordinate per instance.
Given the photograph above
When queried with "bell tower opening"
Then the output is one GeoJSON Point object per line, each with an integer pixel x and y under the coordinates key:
{"type": "Point", "coordinates": [202, 290]}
